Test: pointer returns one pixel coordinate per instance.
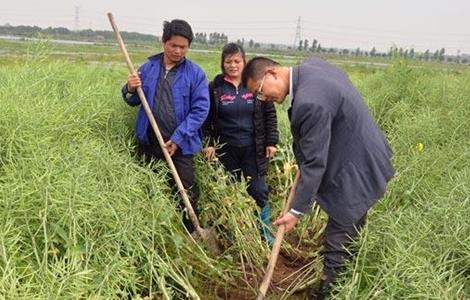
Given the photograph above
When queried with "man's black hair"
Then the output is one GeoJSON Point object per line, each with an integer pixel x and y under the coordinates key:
{"type": "Point", "coordinates": [256, 67]}
{"type": "Point", "coordinates": [231, 49]}
{"type": "Point", "coordinates": [177, 27]}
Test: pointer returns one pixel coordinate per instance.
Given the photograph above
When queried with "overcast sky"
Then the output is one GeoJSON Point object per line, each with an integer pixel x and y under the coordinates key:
{"type": "Point", "coordinates": [419, 24]}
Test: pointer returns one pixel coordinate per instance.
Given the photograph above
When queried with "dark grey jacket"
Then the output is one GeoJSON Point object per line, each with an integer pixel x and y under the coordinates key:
{"type": "Point", "coordinates": [343, 156]}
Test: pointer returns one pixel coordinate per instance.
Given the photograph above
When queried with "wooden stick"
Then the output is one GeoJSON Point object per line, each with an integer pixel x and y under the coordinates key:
{"type": "Point", "coordinates": [277, 244]}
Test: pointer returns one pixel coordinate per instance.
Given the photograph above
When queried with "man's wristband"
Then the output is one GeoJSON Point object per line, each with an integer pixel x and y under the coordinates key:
{"type": "Point", "coordinates": [296, 213]}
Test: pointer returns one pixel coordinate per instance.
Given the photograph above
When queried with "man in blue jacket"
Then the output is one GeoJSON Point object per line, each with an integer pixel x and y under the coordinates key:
{"type": "Point", "coordinates": [177, 92]}
{"type": "Point", "coordinates": [344, 159]}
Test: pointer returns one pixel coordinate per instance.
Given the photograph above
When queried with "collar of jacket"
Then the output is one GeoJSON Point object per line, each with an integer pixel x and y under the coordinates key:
{"type": "Point", "coordinates": [295, 82]}
{"type": "Point", "coordinates": [216, 86]}
{"type": "Point", "coordinates": [218, 80]}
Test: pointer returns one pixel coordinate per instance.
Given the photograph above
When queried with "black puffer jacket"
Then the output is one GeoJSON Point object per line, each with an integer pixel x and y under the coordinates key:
{"type": "Point", "coordinates": [264, 118]}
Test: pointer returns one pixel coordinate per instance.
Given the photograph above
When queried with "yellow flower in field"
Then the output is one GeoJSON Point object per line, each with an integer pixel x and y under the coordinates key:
{"type": "Point", "coordinates": [420, 147]}
{"type": "Point", "coordinates": [53, 252]}
{"type": "Point", "coordinates": [289, 166]}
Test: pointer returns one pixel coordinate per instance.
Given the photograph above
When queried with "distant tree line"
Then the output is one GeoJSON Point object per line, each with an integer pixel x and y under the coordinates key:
{"type": "Point", "coordinates": [428, 55]}
{"type": "Point", "coordinates": [214, 38]}
{"type": "Point", "coordinates": [251, 43]}
{"type": "Point", "coordinates": [217, 38]}
{"type": "Point", "coordinates": [81, 35]}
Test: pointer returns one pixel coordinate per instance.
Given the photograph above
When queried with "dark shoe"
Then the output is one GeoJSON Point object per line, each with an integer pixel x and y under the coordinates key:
{"type": "Point", "coordinates": [317, 292]}
{"type": "Point", "coordinates": [314, 294]}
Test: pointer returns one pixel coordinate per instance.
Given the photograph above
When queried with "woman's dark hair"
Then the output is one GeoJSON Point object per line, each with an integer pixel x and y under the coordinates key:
{"type": "Point", "coordinates": [231, 49]}
{"type": "Point", "coordinates": [177, 27]}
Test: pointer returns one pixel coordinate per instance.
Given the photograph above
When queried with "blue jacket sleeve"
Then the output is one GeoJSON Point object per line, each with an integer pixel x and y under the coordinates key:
{"type": "Point", "coordinates": [199, 108]}
{"type": "Point", "coordinates": [134, 99]}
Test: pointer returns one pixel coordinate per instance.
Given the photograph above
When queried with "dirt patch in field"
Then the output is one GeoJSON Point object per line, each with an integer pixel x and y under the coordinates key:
{"type": "Point", "coordinates": [297, 268]}
{"type": "Point", "coordinates": [283, 270]}
{"type": "Point", "coordinates": [235, 293]}
{"type": "Point", "coordinates": [286, 274]}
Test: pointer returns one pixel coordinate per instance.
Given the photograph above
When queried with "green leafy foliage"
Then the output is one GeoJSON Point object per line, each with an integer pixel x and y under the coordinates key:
{"type": "Point", "coordinates": [83, 217]}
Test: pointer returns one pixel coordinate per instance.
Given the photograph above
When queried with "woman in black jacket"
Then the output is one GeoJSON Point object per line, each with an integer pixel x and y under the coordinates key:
{"type": "Point", "coordinates": [244, 126]}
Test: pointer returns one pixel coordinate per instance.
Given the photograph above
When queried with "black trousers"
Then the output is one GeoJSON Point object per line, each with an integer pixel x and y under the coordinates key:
{"type": "Point", "coordinates": [336, 240]}
{"type": "Point", "coordinates": [184, 165]}
{"type": "Point", "coordinates": [242, 160]}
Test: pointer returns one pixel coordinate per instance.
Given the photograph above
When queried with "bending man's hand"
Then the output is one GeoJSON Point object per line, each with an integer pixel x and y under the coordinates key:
{"type": "Point", "coordinates": [288, 219]}
{"type": "Point", "coordinates": [171, 147]}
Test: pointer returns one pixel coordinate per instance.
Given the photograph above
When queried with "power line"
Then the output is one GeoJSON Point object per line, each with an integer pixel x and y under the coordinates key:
{"type": "Point", "coordinates": [77, 18]}
{"type": "Point", "coordinates": [323, 27]}
{"type": "Point", "coordinates": [263, 31]}
{"type": "Point", "coordinates": [377, 30]}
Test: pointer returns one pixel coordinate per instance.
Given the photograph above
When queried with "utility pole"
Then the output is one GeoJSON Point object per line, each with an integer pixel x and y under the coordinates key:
{"type": "Point", "coordinates": [77, 18]}
{"type": "Point", "coordinates": [297, 35]}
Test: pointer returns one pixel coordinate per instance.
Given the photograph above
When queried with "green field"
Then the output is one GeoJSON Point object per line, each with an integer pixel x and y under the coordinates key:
{"type": "Point", "coordinates": [83, 218]}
